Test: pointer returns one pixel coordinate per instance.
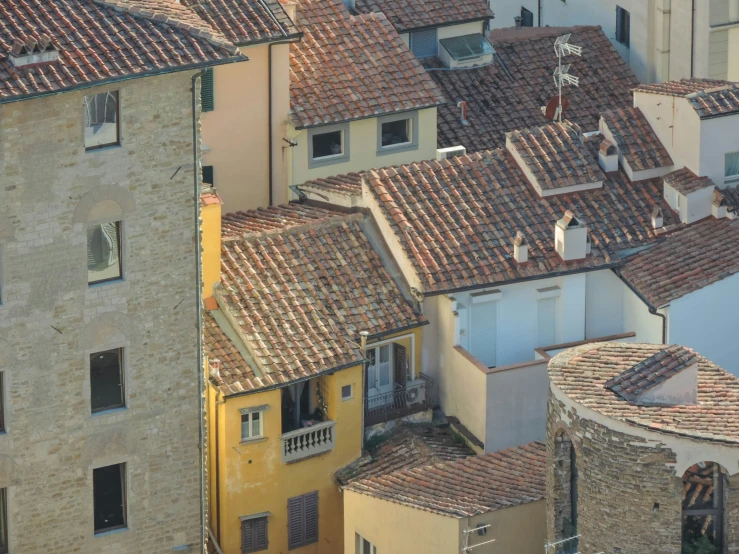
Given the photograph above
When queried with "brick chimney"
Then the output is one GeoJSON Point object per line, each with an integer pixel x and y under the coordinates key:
{"type": "Point", "coordinates": [520, 248]}
{"type": "Point", "coordinates": [571, 237]}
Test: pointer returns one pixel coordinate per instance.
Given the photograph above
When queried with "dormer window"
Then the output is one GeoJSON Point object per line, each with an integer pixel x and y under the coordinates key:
{"type": "Point", "coordinates": [731, 169]}
{"type": "Point", "coordinates": [101, 120]}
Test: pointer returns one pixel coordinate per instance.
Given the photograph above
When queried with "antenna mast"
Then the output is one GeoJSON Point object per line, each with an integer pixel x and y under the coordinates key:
{"type": "Point", "coordinates": [563, 48]}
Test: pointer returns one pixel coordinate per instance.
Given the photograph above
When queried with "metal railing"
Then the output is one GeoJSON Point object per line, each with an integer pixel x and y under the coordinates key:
{"type": "Point", "coordinates": [307, 442]}
{"type": "Point", "coordinates": [416, 396]}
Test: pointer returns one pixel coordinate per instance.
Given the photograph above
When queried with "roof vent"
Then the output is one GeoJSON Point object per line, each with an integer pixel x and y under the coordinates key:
{"type": "Point", "coordinates": [571, 237]}
{"type": "Point", "coordinates": [33, 52]}
{"type": "Point", "coordinates": [520, 248]}
{"type": "Point", "coordinates": [658, 218]}
{"type": "Point", "coordinates": [608, 156]}
{"type": "Point", "coordinates": [450, 152]}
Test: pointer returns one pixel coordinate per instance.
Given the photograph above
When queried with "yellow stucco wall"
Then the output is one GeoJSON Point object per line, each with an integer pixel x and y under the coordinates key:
{"type": "Point", "coordinates": [404, 338]}
{"type": "Point", "coordinates": [363, 149]}
{"type": "Point", "coordinates": [253, 478]}
{"type": "Point", "coordinates": [210, 229]}
{"type": "Point", "coordinates": [237, 130]}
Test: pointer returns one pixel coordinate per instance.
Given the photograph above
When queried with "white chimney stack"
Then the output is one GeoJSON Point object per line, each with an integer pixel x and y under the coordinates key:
{"type": "Point", "coordinates": [520, 248]}
{"type": "Point", "coordinates": [608, 156]}
{"type": "Point", "coordinates": [571, 237]}
{"type": "Point", "coordinates": [462, 105]}
{"type": "Point", "coordinates": [718, 208]}
{"type": "Point", "coordinates": [291, 9]}
{"type": "Point", "coordinates": [658, 219]}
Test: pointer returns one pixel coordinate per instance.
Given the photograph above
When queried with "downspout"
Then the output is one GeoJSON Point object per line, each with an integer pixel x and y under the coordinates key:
{"type": "Point", "coordinates": [692, 40]}
{"type": "Point", "coordinates": [539, 15]}
{"type": "Point", "coordinates": [365, 368]}
{"type": "Point", "coordinates": [199, 295]}
{"type": "Point", "coordinates": [218, 471]}
{"type": "Point", "coordinates": [652, 309]}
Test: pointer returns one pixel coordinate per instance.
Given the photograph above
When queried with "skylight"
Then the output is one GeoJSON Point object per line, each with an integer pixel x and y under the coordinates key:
{"type": "Point", "coordinates": [467, 46]}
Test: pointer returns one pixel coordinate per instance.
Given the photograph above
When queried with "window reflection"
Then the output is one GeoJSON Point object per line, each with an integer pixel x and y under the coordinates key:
{"type": "Point", "coordinates": [104, 252]}
{"type": "Point", "coordinates": [101, 120]}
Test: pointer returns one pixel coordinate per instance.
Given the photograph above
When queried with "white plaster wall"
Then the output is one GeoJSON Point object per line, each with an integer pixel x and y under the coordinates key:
{"type": "Point", "coordinates": [637, 319]}
{"type": "Point", "coordinates": [659, 111]}
{"type": "Point", "coordinates": [686, 135]}
{"type": "Point", "coordinates": [718, 136]}
{"type": "Point", "coordinates": [707, 320]}
{"type": "Point", "coordinates": [460, 30]}
{"type": "Point", "coordinates": [506, 10]}
{"type": "Point", "coordinates": [604, 314]}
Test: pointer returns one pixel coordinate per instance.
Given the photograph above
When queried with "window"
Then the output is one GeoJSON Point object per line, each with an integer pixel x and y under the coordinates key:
{"type": "Point", "coordinates": [252, 425]}
{"type": "Point", "coordinates": [347, 392]}
{"type": "Point", "coordinates": [3, 521]}
{"type": "Point", "coordinates": [207, 99]}
{"type": "Point", "coordinates": [703, 509]}
{"type": "Point", "coordinates": [328, 144]}
{"type": "Point", "coordinates": [254, 536]}
{"type": "Point", "coordinates": [623, 26]}
{"type": "Point", "coordinates": [106, 380]}
{"type": "Point", "coordinates": [2, 407]}
{"type": "Point", "coordinates": [109, 494]}
{"type": "Point", "coordinates": [424, 44]}
{"type": "Point", "coordinates": [104, 252]}
{"type": "Point", "coordinates": [363, 546]}
{"type": "Point", "coordinates": [101, 120]}
{"type": "Point", "coordinates": [302, 520]}
{"type": "Point", "coordinates": [527, 17]}
{"type": "Point", "coordinates": [397, 133]}
{"type": "Point", "coordinates": [208, 175]}
{"type": "Point", "coordinates": [732, 167]}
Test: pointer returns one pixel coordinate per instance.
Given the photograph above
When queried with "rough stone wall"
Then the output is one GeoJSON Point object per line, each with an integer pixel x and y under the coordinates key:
{"type": "Point", "coordinates": [621, 481]}
{"type": "Point", "coordinates": [561, 478]}
{"type": "Point", "coordinates": [50, 321]}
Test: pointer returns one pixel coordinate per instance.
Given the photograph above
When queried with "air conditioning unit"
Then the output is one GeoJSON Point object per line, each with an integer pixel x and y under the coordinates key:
{"type": "Point", "coordinates": [451, 152]}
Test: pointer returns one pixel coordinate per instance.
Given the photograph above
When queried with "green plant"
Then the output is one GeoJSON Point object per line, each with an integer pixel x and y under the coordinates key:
{"type": "Point", "coordinates": [701, 546]}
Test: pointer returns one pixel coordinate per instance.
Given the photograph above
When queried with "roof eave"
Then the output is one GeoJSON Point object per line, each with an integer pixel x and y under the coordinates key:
{"type": "Point", "coordinates": [389, 112]}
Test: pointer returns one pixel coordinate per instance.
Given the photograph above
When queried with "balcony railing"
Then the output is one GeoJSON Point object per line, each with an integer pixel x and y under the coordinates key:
{"type": "Point", "coordinates": [307, 442]}
{"type": "Point", "coordinates": [416, 396]}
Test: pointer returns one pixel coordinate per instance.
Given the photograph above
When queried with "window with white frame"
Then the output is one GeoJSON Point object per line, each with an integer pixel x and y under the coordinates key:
{"type": "Point", "coordinates": [347, 392]}
{"type": "Point", "coordinates": [328, 144]}
{"type": "Point", "coordinates": [252, 423]}
{"type": "Point", "coordinates": [732, 167]}
{"type": "Point", "coordinates": [363, 546]}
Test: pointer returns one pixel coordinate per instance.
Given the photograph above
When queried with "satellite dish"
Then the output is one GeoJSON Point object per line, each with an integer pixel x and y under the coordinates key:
{"type": "Point", "coordinates": [553, 105]}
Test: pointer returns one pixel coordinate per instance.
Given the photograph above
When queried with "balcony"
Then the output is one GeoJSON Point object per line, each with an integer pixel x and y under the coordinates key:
{"type": "Point", "coordinates": [416, 396]}
{"type": "Point", "coordinates": [308, 442]}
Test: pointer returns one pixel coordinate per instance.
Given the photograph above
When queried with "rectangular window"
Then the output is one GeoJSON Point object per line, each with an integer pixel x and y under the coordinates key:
{"type": "Point", "coordinates": [363, 546]}
{"type": "Point", "coordinates": [732, 167]}
{"type": "Point", "coordinates": [347, 392]}
{"type": "Point", "coordinates": [207, 98]}
{"type": "Point", "coordinates": [101, 120]}
{"type": "Point", "coordinates": [106, 380]}
{"type": "Point", "coordinates": [4, 521]}
{"type": "Point", "coordinates": [252, 425]}
{"type": "Point", "coordinates": [104, 252]}
{"type": "Point", "coordinates": [302, 520]}
{"type": "Point", "coordinates": [546, 322]}
{"type": "Point", "coordinates": [424, 44]}
{"type": "Point", "coordinates": [527, 17]}
{"type": "Point", "coordinates": [208, 175]}
{"type": "Point", "coordinates": [623, 26]}
{"type": "Point", "coordinates": [328, 144]}
{"type": "Point", "coordinates": [109, 495]}
{"type": "Point", "coordinates": [397, 133]}
{"type": "Point", "coordinates": [254, 535]}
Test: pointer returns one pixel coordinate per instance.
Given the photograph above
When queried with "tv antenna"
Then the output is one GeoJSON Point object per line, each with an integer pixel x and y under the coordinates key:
{"type": "Point", "coordinates": [562, 76]}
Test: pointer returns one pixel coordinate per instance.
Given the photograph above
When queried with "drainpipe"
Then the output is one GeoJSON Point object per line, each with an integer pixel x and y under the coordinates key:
{"type": "Point", "coordinates": [218, 472]}
{"type": "Point", "coordinates": [692, 40]}
{"type": "Point", "coordinates": [652, 309]}
{"type": "Point", "coordinates": [539, 15]}
{"type": "Point", "coordinates": [364, 335]}
{"type": "Point", "coordinates": [199, 293]}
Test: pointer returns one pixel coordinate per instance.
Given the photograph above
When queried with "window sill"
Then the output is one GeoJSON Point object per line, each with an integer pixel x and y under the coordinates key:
{"type": "Point", "coordinates": [101, 148]}
{"type": "Point", "coordinates": [348, 398]}
{"type": "Point", "coordinates": [252, 441]}
{"type": "Point", "coordinates": [387, 150]}
{"type": "Point", "coordinates": [109, 411]}
{"type": "Point", "coordinates": [110, 531]}
{"type": "Point", "coordinates": [103, 283]}
{"type": "Point", "coordinates": [320, 162]}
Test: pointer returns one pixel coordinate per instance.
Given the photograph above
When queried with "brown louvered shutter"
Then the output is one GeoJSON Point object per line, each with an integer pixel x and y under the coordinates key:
{"type": "Point", "coordinates": [261, 537]}
{"type": "Point", "coordinates": [399, 359]}
{"type": "Point", "coordinates": [247, 536]}
{"type": "Point", "coordinates": [295, 526]}
{"type": "Point", "coordinates": [311, 517]}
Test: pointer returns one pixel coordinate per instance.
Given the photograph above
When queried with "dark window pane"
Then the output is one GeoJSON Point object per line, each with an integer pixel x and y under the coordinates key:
{"type": "Point", "coordinates": [699, 531]}
{"type": "Point", "coordinates": [104, 252]}
{"type": "Point", "coordinates": [327, 144]}
{"type": "Point", "coordinates": [109, 498]}
{"type": "Point", "coordinates": [699, 487]}
{"type": "Point", "coordinates": [395, 132]}
{"type": "Point", "coordinates": [208, 174]}
{"type": "Point", "coordinates": [3, 521]}
{"type": "Point", "coordinates": [2, 406]}
{"type": "Point", "coordinates": [101, 120]}
{"type": "Point", "coordinates": [106, 380]}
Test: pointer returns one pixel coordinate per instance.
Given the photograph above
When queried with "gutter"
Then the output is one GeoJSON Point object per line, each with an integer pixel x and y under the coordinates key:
{"type": "Point", "coordinates": [652, 309]}
{"type": "Point", "coordinates": [398, 330]}
{"type": "Point", "coordinates": [120, 78]}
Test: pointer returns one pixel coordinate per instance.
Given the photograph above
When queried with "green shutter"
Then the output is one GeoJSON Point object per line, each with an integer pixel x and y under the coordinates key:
{"type": "Point", "coordinates": [206, 91]}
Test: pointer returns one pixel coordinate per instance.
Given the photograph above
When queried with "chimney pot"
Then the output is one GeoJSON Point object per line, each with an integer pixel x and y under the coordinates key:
{"type": "Point", "coordinates": [215, 366]}
{"type": "Point", "coordinates": [718, 209]}
{"type": "Point", "coordinates": [520, 248]}
{"type": "Point", "coordinates": [517, 19]}
{"type": "Point", "coordinates": [657, 218]}
{"type": "Point", "coordinates": [462, 105]}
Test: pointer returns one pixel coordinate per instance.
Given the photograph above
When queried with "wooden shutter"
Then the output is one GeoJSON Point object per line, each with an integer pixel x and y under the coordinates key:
{"type": "Point", "coordinates": [295, 525]}
{"type": "Point", "coordinates": [484, 332]}
{"type": "Point", "coordinates": [247, 536]}
{"type": "Point", "coordinates": [424, 43]}
{"type": "Point", "coordinates": [310, 503]}
{"type": "Point", "coordinates": [254, 535]}
{"type": "Point", "coordinates": [619, 24]}
{"type": "Point", "coordinates": [627, 27]}
{"type": "Point", "coordinates": [546, 322]}
{"type": "Point", "coordinates": [399, 360]}
{"type": "Point", "coordinates": [261, 537]}
{"type": "Point", "coordinates": [206, 91]}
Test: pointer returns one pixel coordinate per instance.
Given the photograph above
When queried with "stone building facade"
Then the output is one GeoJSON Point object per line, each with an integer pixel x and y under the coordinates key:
{"type": "Point", "coordinates": [624, 477]}
{"type": "Point", "coordinates": [52, 321]}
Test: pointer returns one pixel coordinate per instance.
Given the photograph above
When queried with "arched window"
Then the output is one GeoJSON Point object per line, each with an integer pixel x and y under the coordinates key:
{"type": "Point", "coordinates": [703, 509]}
{"type": "Point", "coordinates": [565, 459]}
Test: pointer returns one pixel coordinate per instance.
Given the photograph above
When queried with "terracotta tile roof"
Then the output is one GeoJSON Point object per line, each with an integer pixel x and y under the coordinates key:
{"type": "Point", "coordinates": [408, 446]}
{"type": "Point", "coordinates": [636, 139]}
{"type": "Point", "coordinates": [651, 371]}
{"type": "Point", "coordinates": [274, 218]}
{"type": "Point", "coordinates": [101, 41]}
{"type": "Point", "coordinates": [688, 260]}
{"type": "Point", "coordinates": [456, 219]}
{"type": "Point", "coordinates": [349, 67]}
{"type": "Point", "coordinates": [300, 297]}
{"type": "Point", "coordinates": [729, 196]}
{"type": "Point", "coordinates": [582, 372]}
{"type": "Point", "coordinates": [685, 181]}
{"type": "Point", "coordinates": [708, 97]}
{"type": "Point", "coordinates": [497, 103]}
{"type": "Point", "coordinates": [246, 22]}
{"type": "Point", "coordinates": [406, 15]}
{"type": "Point", "coordinates": [467, 487]}
{"type": "Point", "coordinates": [556, 155]}
{"type": "Point", "coordinates": [349, 184]}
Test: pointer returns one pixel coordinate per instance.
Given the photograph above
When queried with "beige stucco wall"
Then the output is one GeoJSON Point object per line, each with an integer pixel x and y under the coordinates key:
{"type": "Point", "coordinates": [520, 529]}
{"type": "Point", "coordinates": [51, 320]}
{"type": "Point", "coordinates": [363, 149]}
{"type": "Point", "coordinates": [237, 130]}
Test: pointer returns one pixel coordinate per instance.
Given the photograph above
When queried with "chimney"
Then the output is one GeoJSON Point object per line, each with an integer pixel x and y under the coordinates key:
{"type": "Point", "coordinates": [462, 105]}
{"type": "Point", "coordinates": [571, 237]}
{"type": "Point", "coordinates": [608, 156]}
{"type": "Point", "coordinates": [718, 208]}
{"type": "Point", "coordinates": [291, 9]}
{"type": "Point", "coordinates": [517, 19]}
{"type": "Point", "coordinates": [210, 228]}
{"type": "Point", "coordinates": [658, 219]}
{"type": "Point", "coordinates": [520, 248]}
{"type": "Point", "coordinates": [350, 5]}
{"type": "Point", "coordinates": [215, 368]}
